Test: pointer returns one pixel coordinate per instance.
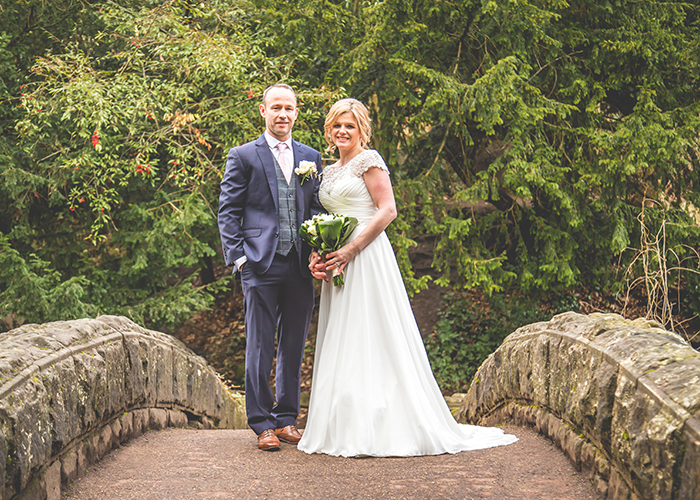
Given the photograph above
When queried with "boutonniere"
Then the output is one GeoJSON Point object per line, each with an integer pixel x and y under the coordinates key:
{"type": "Point", "coordinates": [306, 170]}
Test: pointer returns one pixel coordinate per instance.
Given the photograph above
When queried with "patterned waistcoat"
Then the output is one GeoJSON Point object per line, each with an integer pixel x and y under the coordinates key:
{"type": "Point", "coordinates": [287, 194]}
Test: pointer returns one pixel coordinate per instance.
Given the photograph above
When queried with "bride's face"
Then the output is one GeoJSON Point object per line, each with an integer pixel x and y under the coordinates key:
{"type": "Point", "coordinates": [345, 133]}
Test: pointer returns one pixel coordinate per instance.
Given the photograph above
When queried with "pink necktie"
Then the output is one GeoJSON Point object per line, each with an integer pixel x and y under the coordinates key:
{"type": "Point", "coordinates": [286, 169]}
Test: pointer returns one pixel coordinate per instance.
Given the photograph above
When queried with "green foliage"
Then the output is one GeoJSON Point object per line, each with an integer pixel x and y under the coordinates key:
{"type": "Point", "coordinates": [327, 232]}
{"type": "Point", "coordinates": [469, 330]}
{"type": "Point", "coordinates": [33, 289]}
{"type": "Point", "coordinates": [523, 135]}
{"type": "Point", "coordinates": [124, 130]}
{"type": "Point", "coordinates": [525, 138]}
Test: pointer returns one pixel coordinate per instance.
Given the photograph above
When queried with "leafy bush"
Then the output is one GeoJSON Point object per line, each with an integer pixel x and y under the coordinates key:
{"type": "Point", "coordinates": [470, 327]}
{"type": "Point", "coordinates": [110, 200]}
{"type": "Point", "coordinates": [526, 137]}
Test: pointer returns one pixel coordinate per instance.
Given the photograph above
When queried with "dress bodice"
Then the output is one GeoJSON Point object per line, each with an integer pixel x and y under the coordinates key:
{"type": "Point", "coordinates": [343, 190]}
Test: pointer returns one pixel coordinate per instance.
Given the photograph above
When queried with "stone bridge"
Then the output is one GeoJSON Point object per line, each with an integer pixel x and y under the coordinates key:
{"type": "Point", "coordinates": [620, 398]}
{"type": "Point", "coordinates": [71, 391]}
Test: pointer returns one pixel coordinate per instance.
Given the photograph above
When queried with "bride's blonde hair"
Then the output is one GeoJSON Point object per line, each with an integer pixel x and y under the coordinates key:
{"type": "Point", "coordinates": [358, 111]}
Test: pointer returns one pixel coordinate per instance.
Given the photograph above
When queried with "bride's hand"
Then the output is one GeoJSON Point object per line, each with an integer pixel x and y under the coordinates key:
{"type": "Point", "coordinates": [340, 258]}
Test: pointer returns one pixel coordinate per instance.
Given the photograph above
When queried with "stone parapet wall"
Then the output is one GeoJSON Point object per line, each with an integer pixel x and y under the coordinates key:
{"type": "Point", "coordinates": [621, 398]}
{"type": "Point", "coordinates": [72, 390]}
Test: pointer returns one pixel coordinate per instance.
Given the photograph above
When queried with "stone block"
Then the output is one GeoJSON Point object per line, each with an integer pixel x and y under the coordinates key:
{"type": "Point", "coordinates": [181, 373]}
{"type": "Point", "coordinates": [115, 373]}
{"type": "Point", "coordinates": [61, 382]}
{"type": "Point", "coordinates": [572, 445]}
{"type": "Point", "coordinates": [542, 423]}
{"type": "Point", "coordinates": [92, 448]}
{"type": "Point", "coordinates": [91, 387]}
{"type": "Point", "coordinates": [82, 458]}
{"type": "Point", "coordinates": [134, 376]}
{"type": "Point", "coordinates": [158, 419]}
{"type": "Point", "coordinates": [690, 472]}
{"type": "Point", "coordinates": [600, 485]}
{"type": "Point", "coordinates": [587, 457]}
{"type": "Point", "coordinates": [69, 467]}
{"type": "Point", "coordinates": [127, 427]}
{"type": "Point", "coordinates": [147, 356]}
{"type": "Point", "coordinates": [517, 415]}
{"type": "Point", "coordinates": [141, 419]}
{"type": "Point", "coordinates": [558, 431]}
{"type": "Point", "coordinates": [31, 426]}
{"type": "Point", "coordinates": [177, 418]}
{"type": "Point", "coordinates": [35, 490]}
{"type": "Point", "coordinates": [605, 380]}
{"type": "Point", "coordinates": [105, 441]}
{"type": "Point", "coordinates": [52, 478]}
{"type": "Point", "coordinates": [602, 465]}
{"type": "Point", "coordinates": [617, 488]}
{"type": "Point", "coordinates": [531, 414]}
{"type": "Point", "coordinates": [116, 432]}
{"type": "Point", "coordinates": [680, 380]}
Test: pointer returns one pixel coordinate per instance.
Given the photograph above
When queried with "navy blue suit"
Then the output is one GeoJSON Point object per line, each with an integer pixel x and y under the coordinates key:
{"type": "Point", "coordinates": [278, 290]}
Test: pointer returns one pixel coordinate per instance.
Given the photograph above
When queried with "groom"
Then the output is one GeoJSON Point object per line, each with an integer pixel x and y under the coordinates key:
{"type": "Point", "coordinates": [263, 203]}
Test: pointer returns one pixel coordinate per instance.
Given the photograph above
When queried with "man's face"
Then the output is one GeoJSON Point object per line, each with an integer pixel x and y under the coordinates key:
{"type": "Point", "coordinates": [280, 111]}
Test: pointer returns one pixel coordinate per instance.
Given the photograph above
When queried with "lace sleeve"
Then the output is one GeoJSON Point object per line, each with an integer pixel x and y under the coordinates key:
{"type": "Point", "coordinates": [366, 160]}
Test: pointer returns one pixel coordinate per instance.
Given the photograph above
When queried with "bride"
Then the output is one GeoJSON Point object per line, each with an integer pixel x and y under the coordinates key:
{"type": "Point", "coordinates": [373, 392]}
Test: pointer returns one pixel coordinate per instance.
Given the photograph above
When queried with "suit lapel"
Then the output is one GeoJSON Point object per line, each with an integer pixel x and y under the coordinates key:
{"type": "Point", "coordinates": [268, 166]}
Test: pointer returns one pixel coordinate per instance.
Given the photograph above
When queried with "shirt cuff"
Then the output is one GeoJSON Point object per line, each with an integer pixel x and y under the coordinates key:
{"type": "Point", "coordinates": [239, 262]}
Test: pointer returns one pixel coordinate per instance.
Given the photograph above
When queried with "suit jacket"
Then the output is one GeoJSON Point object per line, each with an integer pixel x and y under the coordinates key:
{"type": "Point", "coordinates": [249, 204]}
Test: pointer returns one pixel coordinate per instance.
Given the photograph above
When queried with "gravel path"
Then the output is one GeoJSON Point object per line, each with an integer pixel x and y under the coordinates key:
{"type": "Point", "coordinates": [176, 464]}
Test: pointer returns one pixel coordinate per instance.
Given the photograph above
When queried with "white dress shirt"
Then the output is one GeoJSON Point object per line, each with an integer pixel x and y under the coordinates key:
{"type": "Point", "coordinates": [272, 142]}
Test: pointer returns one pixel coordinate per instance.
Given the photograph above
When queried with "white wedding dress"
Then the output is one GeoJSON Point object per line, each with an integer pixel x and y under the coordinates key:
{"type": "Point", "coordinates": [373, 392]}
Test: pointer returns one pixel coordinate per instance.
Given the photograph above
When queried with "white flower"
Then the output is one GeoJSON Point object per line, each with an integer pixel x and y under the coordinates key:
{"type": "Point", "coordinates": [311, 229]}
{"type": "Point", "coordinates": [306, 169]}
{"type": "Point", "coordinates": [325, 217]}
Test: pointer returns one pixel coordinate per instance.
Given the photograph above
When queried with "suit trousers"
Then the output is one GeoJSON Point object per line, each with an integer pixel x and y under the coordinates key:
{"type": "Point", "coordinates": [279, 303]}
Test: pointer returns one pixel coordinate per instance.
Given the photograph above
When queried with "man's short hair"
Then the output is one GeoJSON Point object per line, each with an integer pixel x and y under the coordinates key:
{"type": "Point", "coordinates": [278, 86]}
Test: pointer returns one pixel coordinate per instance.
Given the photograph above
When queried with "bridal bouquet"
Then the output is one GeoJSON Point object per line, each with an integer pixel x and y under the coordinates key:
{"type": "Point", "coordinates": [327, 233]}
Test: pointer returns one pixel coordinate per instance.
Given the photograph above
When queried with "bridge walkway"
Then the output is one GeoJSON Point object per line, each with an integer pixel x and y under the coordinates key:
{"type": "Point", "coordinates": [186, 464]}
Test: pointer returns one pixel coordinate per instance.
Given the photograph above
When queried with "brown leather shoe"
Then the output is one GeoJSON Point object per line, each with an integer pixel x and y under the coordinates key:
{"type": "Point", "coordinates": [267, 440]}
{"type": "Point", "coordinates": [288, 434]}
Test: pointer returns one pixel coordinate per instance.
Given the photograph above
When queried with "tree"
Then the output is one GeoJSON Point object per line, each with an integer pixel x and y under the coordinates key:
{"type": "Point", "coordinates": [554, 120]}
{"type": "Point", "coordinates": [124, 137]}
{"type": "Point", "coordinates": [526, 138]}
